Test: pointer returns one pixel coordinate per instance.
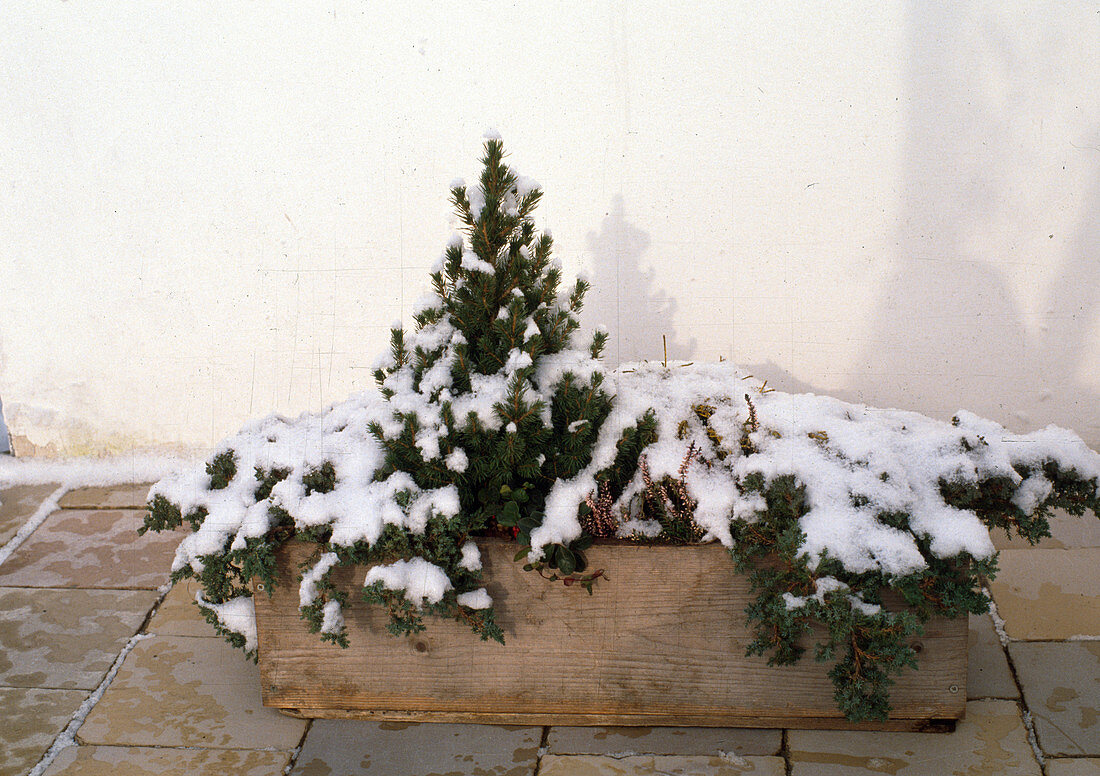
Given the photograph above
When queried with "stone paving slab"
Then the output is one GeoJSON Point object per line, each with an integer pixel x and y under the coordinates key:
{"type": "Point", "coordinates": [351, 748]}
{"type": "Point", "coordinates": [114, 497]}
{"type": "Point", "coordinates": [988, 675]}
{"type": "Point", "coordinates": [663, 740]}
{"type": "Point", "coordinates": [145, 761]}
{"type": "Point", "coordinates": [92, 548]}
{"type": "Point", "coordinates": [179, 616]}
{"type": "Point", "coordinates": [66, 639]}
{"type": "Point", "coordinates": [1061, 683]}
{"type": "Point", "coordinates": [665, 765]}
{"type": "Point", "coordinates": [18, 504]}
{"type": "Point", "coordinates": [30, 720]}
{"type": "Point", "coordinates": [990, 741]}
{"type": "Point", "coordinates": [183, 691]}
{"type": "Point", "coordinates": [1048, 594]}
{"type": "Point", "coordinates": [1087, 766]}
{"type": "Point", "coordinates": [1066, 532]}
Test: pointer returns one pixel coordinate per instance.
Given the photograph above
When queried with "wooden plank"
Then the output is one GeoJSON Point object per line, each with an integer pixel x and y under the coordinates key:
{"type": "Point", "coordinates": [662, 641]}
{"type": "Point", "coordinates": [633, 720]}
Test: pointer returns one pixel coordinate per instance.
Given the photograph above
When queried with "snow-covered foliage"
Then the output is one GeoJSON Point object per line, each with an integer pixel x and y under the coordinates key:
{"type": "Point", "coordinates": [856, 463]}
{"type": "Point", "coordinates": [860, 468]}
{"type": "Point", "coordinates": [492, 420]}
{"type": "Point", "coordinates": [236, 616]}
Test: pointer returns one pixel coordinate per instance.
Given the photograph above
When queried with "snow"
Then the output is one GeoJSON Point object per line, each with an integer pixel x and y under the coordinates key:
{"type": "Point", "coordinates": [427, 441]}
{"type": "Point", "coordinates": [307, 590]}
{"type": "Point", "coordinates": [237, 615]}
{"type": "Point", "coordinates": [48, 506]}
{"type": "Point", "coordinates": [383, 360]}
{"type": "Point", "coordinates": [525, 185]}
{"type": "Point", "coordinates": [340, 435]}
{"type": "Point", "coordinates": [490, 134]}
{"type": "Point", "coordinates": [517, 359]}
{"type": "Point", "coordinates": [438, 376]}
{"type": "Point", "coordinates": [477, 200]}
{"type": "Point", "coordinates": [73, 473]}
{"type": "Point", "coordinates": [471, 262]}
{"type": "Point", "coordinates": [457, 461]}
{"type": "Point", "coordinates": [419, 580]}
{"type": "Point", "coordinates": [426, 302]}
{"type": "Point", "coordinates": [486, 391]}
{"type": "Point", "coordinates": [552, 368]}
{"type": "Point", "coordinates": [475, 599]}
{"type": "Point", "coordinates": [822, 587]}
{"type": "Point", "coordinates": [471, 557]}
{"type": "Point", "coordinates": [332, 618]}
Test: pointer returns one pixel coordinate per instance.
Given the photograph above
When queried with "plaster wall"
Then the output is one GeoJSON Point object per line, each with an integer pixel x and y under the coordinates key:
{"type": "Point", "coordinates": [213, 212]}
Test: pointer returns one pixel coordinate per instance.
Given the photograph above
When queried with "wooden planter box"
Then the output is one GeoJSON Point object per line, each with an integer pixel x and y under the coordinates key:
{"type": "Point", "coordinates": [662, 642]}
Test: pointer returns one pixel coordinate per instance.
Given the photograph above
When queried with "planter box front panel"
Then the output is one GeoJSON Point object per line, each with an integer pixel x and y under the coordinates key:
{"type": "Point", "coordinates": [661, 642]}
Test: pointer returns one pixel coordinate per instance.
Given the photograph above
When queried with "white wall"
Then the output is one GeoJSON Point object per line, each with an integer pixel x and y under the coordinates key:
{"type": "Point", "coordinates": [210, 213]}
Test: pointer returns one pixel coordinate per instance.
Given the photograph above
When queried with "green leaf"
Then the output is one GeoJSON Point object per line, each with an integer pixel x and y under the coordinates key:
{"type": "Point", "coordinates": [509, 515]}
{"type": "Point", "coordinates": [523, 553]}
{"type": "Point", "coordinates": [567, 561]}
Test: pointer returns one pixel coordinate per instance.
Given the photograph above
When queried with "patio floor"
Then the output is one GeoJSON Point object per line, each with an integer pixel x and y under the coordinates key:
{"type": "Point", "coordinates": [94, 650]}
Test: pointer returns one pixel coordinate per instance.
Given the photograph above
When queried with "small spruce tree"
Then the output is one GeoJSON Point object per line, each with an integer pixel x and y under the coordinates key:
{"type": "Point", "coordinates": [473, 405]}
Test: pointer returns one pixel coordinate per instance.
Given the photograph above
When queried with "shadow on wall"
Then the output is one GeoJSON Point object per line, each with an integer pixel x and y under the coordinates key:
{"type": "Point", "coordinates": [948, 327]}
{"type": "Point", "coordinates": [623, 297]}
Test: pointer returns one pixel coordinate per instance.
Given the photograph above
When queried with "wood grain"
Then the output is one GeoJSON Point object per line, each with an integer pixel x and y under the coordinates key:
{"type": "Point", "coordinates": [661, 642]}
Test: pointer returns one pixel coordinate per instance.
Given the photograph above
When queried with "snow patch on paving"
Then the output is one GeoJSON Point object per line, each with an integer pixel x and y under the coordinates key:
{"type": "Point", "coordinates": [998, 621]}
{"type": "Point", "coordinates": [90, 472]}
{"type": "Point", "coordinates": [45, 509]}
{"type": "Point", "coordinates": [72, 473]}
{"type": "Point", "coordinates": [1033, 738]}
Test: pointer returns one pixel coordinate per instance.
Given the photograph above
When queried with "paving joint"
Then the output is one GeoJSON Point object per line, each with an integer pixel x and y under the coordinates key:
{"type": "Point", "coordinates": [297, 751]}
{"type": "Point", "coordinates": [785, 752]}
{"type": "Point", "coordinates": [544, 747]}
{"type": "Point", "coordinates": [1025, 712]}
{"type": "Point", "coordinates": [67, 737]}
